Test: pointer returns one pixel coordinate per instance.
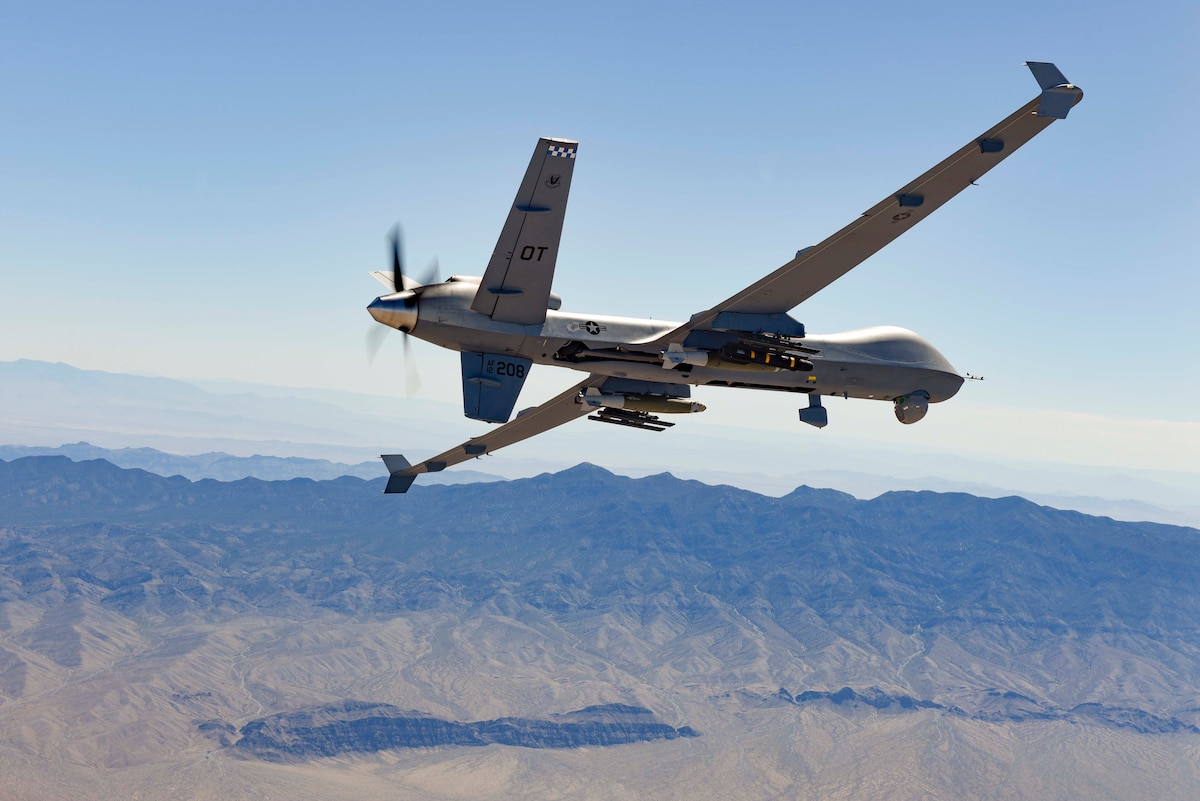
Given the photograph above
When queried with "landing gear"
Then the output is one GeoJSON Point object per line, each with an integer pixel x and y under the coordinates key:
{"type": "Point", "coordinates": [816, 414]}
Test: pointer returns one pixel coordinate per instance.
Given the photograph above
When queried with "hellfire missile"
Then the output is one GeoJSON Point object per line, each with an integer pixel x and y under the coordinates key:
{"type": "Point", "coordinates": [748, 354]}
{"type": "Point", "coordinates": [675, 355]}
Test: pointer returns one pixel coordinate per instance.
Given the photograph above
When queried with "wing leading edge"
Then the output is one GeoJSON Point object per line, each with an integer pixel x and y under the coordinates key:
{"type": "Point", "coordinates": [562, 408]}
{"type": "Point", "coordinates": [817, 267]}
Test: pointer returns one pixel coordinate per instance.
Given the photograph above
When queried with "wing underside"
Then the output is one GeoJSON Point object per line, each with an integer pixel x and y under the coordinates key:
{"type": "Point", "coordinates": [562, 408]}
{"type": "Point", "coordinates": [516, 285]}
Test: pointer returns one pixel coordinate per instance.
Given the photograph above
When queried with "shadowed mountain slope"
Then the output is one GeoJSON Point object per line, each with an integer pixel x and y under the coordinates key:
{"type": "Point", "coordinates": [215, 606]}
{"type": "Point", "coordinates": [1002, 578]}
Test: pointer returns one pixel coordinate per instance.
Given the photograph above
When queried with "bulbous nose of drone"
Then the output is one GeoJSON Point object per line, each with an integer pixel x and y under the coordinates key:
{"type": "Point", "coordinates": [398, 310]}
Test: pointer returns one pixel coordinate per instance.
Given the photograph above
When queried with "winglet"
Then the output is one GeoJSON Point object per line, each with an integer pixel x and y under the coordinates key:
{"type": "Point", "coordinates": [1058, 94]}
{"type": "Point", "coordinates": [396, 465]}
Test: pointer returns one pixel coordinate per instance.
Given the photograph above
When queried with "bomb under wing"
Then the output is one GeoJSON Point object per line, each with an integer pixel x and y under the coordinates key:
{"type": "Point", "coordinates": [654, 404]}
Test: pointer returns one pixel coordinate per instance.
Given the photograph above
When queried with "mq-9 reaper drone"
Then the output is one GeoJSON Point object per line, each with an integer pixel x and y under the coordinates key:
{"type": "Point", "coordinates": [508, 320]}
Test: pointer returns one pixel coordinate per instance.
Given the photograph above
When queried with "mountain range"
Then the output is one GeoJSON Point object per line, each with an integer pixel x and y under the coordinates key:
{"type": "Point", "coordinates": [226, 467]}
{"type": "Point", "coordinates": [918, 645]}
{"type": "Point", "coordinates": [210, 429]}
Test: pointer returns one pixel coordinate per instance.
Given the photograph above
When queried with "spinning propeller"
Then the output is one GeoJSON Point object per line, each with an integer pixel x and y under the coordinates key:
{"type": "Point", "coordinates": [397, 309]}
{"type": "Point", "coordinates": [399, 280]}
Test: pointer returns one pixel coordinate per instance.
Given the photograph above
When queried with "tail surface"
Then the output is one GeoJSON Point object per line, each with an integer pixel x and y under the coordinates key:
{"type": "Point", "coordinates": [396, 465]}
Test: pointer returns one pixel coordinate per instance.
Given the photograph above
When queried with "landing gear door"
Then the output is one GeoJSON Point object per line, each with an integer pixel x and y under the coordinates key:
{"type": "Point", "coordinates": [491, 384]}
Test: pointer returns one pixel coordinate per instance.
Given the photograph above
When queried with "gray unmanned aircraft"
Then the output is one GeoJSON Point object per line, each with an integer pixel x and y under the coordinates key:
{"type": "Point", "coordinates": [507, 320]}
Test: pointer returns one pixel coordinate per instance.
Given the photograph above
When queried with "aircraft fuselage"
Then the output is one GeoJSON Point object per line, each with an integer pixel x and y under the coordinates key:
{"type": "Point", "coordinates": [879, 363]}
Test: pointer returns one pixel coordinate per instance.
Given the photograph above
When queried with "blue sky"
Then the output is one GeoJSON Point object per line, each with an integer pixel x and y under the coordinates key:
{"type": "Point", "coordinates": [198, 190]}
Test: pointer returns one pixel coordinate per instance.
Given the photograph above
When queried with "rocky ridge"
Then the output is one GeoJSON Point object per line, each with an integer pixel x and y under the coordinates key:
{"type": "Point", "coordinates": [144, 617]}
{"type": "Point", "coordinates": [995, 706]}
{"type": "Point", "coordinates": [359, 727]}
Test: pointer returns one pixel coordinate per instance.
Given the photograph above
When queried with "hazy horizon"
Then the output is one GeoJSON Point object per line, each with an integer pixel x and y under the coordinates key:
{"type": "Point", "coordinates": [48, 405]}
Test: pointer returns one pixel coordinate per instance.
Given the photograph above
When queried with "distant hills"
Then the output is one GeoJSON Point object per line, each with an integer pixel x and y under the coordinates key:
{"type": "Point", "coordinates": [146, 619]}
{"type": "Point", "coordinates": [221, 466]}
{"type": "Point", "coordinates": [44, 403]}
{"type": "Point", "coordinates": [235, 431]}
{"type": "Point", "coordinates": [225, 467]}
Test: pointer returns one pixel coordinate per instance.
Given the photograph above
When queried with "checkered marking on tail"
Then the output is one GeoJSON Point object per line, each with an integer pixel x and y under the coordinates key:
{"type": "Point", "coordinates": [562, 152]}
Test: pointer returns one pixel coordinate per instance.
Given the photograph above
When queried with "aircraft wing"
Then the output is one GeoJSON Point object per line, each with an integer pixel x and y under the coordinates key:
{"type": "Point", "coordinates": [562, 408]}
{"type": "Point", "coordinates": [817, 267]}
{"type": "Point", "coordinates": [516, 285]}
